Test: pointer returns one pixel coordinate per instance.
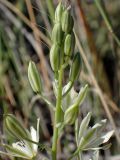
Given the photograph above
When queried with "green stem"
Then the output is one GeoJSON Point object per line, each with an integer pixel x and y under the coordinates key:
{"type": "Point", "coordinates": [57, 115]}
{"type": "Point", "coordinates": [48, 102]}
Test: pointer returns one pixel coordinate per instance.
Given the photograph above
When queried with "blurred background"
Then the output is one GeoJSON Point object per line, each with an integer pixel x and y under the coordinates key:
{"type": "Point", "coordinates": [25, 31]}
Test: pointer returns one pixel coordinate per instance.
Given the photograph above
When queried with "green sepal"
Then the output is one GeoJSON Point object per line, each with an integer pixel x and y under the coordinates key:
{"type": "Point", "coordinates": [34, 77]}
{"type": "Point", "coordinates": [58, 12]}
{"type": "Point", "coordinates": [67, 21]}
{"type": "Point", "coordinates": [75, 68]}
{"type": "Point", "coordinates": [82, 94]}
{"type": "Point", "coordinates": [71, 114]}
{"type": "Point", "coordinates": [55, 57]}
{"type": "Point", "coordinates": [69, 44]}
{"type": "Point", "coordinates": [57, 34]}
{"type": "Point", "coordinates": [15, 128]}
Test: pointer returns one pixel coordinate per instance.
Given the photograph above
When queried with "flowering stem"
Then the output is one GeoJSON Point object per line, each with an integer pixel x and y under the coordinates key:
{"type": "Point", "coordinates": [57, 114]}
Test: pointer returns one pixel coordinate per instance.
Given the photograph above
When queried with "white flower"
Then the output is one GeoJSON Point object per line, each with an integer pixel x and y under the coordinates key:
{"type": "Point", "coordinates": [25, 149]}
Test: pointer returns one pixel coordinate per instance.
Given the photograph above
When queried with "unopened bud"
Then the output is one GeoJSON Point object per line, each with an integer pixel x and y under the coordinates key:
{"type": "Point", "coordinates": [71, 114]}
{"type": "Point", "coordinates": [57, 34]}
{"type": "Point", "coordinates": [34, 77]}
{"type": "Point", "coordinates": [75, 68]}
{"type": "Point", "coordinates": [58, 12]}
{"type": "Point", "coordinates": [55, 57]}
{"type": "Point", "coordinates": [69, 44]}
{"type": "Point", "coordinates": [15, 128]}
{"type": "Point", "coordinates": [67, 21]}
{"type": "Point", "coordinates": [82, 94]}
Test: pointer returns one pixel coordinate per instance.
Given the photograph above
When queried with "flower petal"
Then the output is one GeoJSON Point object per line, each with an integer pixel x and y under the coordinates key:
{"type": "Point", "coordinates": [35, 136]}
{"type": "Point", "coordinates": [38, 126]}
{"type": "Point", "coordinates": [16, 152]}
{"type": "Point", "coordinates": [107, 136]}
{"type": "Point", "coordinates": [22, 146]}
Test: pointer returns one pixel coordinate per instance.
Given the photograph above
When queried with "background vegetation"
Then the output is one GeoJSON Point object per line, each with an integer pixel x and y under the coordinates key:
{"type": "Point", "coordinates": [25, 30]}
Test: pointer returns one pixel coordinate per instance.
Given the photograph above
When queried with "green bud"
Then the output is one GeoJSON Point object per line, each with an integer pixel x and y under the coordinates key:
{"type": "Point", "coordinates": [71, 114]}
{"type": "Point", "coordinates": [34, 77]}
{"type": "Point", "coordinates": [75, 68]}
{"type": "Point", "coordinates": [58, 12]}
{"type": "Point", "coordinates": [57, 34]}
{"type": "Point", "coordinates": [69, 44]}
{"type": "Point", "coordinates": [67, 22]}
{"type": "Point", "coordinates": [82, 94]}
{"type": "Point", "coordinates": [55, 57]}
{"type": "Point", "coordinates": [15, 128]}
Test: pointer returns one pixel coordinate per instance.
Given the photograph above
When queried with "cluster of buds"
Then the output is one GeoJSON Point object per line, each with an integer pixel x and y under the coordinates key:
{"type": "Point", "coordinates": [63, 39]}
{"type": "Point", "coordinates": [62, 51]}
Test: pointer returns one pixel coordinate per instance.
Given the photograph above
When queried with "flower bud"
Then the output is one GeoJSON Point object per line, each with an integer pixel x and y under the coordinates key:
{"type": "Point", "coordinates": [67, 22]}
{"type": "Point", "coordinates": [15, 128]}
{"type": "Point", "coordinates": [57, 34]}
{"type": "Point", "coordinates": [34, 78]}
{"type": "Point", "coordinates": [82, 94]}
{"type": "Point", "coordinates": [58, 12]}
{"type": "Point", "coordinates": [55, 57]}
{"type": "Point", "coordinates": [75, 68]}
{"type": "Point", "coordinates": [69, 44]}
{"type": "Point", "coordinates": [71, 114]}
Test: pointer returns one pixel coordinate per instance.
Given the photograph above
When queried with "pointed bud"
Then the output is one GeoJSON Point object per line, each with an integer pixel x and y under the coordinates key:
{"type": "Point", "coordinates": [57, 34]}
{"type": "Point", "coordinates": [15, 128]}
{"type": "Point", "coordinates": [34, 77]}
{"type": "Point", "coordinates": [67, 22]}
{"type": "Point", "coordinates": [55, 57]}
{"type": "Point", "coordinates": [71, 114]}
{"type": "Point", "coordinates": [82, 94]}
{"type": "Point", "coordinates": [69, 44]}
{"type": "Point", "coordinates": [75, 68]}
{"type": "Point", "coordinates": [58, 12]}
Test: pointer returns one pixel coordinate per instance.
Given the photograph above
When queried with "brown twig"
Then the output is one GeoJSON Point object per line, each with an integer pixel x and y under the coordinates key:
{"type": "Point", "coordinates": [110, 102]}
{"type": "Point", "coordinates": [26, 21]}
{"type": "Point", "coordinates": [38, 45]}
{"type": "Point", "coordinates": [93, 51]}
{"type": "Point", "coordinates": [44, 15]}
{"type": "Point", "coordinates": [9, 91]}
